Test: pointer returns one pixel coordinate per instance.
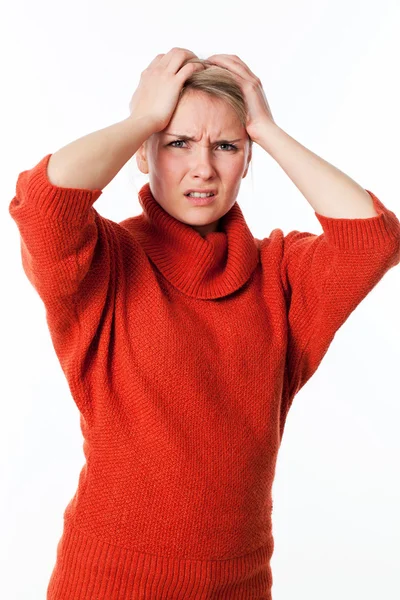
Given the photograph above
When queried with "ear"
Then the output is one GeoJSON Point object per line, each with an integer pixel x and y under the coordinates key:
{"type": "Point", "coordinates": [141, 159]}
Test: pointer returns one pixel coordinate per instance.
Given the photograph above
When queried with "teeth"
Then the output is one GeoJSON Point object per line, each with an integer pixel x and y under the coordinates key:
{"type": "Point", "coordinates": [198, 195]}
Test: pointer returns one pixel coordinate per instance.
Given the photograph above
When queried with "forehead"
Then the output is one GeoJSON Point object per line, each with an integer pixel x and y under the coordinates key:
{"type": "Point", "coordinates": [198, 113]}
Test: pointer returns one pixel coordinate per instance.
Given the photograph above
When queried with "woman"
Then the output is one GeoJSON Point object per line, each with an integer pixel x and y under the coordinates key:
{"type": "Point", "coordinates": [183, 338]}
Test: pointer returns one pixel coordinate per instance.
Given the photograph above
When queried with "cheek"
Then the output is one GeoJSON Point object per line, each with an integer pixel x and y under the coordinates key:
{"type": "Point", "coordinates": [166, 164]}
{"type": "Point", "coordinates": [172, 167]}
{"type": "Point", "coordinates": [171, 162]}
{"type": "Point", "coordinates": [234, 169]}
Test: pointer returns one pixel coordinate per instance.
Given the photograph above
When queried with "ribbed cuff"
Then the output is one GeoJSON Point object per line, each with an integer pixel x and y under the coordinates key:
{"type": "Point", "coordinates": [69, 204]}
{"type": "Point", "coordinates": [377, 232]}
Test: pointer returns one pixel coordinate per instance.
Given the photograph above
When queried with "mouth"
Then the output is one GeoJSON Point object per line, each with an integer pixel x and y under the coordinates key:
{"type": "Point", "coordinates": [201, 201]}
{"type": "Point", "coordinates": [213, 192]}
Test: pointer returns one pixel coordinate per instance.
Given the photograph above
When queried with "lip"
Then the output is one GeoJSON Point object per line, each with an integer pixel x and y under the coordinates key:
{"type": "Point", "coordinates": [202, 201]}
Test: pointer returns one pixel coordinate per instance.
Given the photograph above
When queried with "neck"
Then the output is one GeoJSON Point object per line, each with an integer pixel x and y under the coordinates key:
{"type": "Point", "coordinates": [203, 230]}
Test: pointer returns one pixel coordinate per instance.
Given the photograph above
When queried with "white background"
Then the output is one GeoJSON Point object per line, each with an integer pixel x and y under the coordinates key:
{"type": "Point", "coordinates": [330, 70]}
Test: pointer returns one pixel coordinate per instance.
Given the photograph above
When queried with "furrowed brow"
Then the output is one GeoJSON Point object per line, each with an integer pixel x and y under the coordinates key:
{"type": "Point", "coordinates": [191, 139]}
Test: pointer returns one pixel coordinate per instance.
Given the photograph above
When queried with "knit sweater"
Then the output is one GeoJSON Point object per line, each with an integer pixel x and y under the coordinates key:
{"type": "Point", "coordinates": [183, 355]}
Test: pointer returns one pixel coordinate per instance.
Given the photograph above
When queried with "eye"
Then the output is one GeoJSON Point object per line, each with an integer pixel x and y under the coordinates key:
{"type": "Point", "coordinates": [232, 146]}
{"type": "Point", "coordinates": [176, 142]}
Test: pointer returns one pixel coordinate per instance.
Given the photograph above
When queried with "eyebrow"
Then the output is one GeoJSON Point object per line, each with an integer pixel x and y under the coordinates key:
{"type": "Point", "coordinates": [191, 139]}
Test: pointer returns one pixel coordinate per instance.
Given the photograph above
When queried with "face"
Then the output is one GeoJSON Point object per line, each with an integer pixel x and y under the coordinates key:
{"type": "Point", "coordinates": [202, 163]}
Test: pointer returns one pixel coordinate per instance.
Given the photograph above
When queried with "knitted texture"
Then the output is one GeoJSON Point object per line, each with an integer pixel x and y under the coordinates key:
{"type": "Point", "coordinates": [183, 355]}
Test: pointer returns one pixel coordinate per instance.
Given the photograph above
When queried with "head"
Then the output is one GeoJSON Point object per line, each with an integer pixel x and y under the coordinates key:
{"type": "Point", "coordinates": [210, 108]}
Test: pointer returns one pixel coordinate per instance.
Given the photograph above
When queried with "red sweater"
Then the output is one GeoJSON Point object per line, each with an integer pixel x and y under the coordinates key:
{"type": "Point", "coordinates": [183, 355]}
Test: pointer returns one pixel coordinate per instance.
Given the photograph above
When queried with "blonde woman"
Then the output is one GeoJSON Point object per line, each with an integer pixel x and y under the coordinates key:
{"type": "Point", "coordinates": [183, 338]}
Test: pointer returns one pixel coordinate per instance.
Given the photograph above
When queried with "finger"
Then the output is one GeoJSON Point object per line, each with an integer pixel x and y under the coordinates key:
{"type": "Point", "coordinates": [176, 57]}
{"type": "Point", "coordinates": [232, 62]}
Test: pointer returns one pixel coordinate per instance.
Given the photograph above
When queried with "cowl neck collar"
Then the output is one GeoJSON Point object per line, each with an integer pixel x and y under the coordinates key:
{"type": "Point", "coordinates": [209, 267]}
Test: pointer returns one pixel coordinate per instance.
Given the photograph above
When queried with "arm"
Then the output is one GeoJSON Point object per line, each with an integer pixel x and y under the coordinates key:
{"type": "Point", "coordinates": [69, 252]}
{"type": "Point", "coordinates": [325, 277]}
{"type": "Point", "coordinates": [92, 161]}
{"type": "Point", "coordinates": [330, 192]}
{"type": "Point", "coordinates": [53, 205]}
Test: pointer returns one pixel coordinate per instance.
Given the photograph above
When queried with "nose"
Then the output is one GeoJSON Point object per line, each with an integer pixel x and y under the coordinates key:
{"type": "Point", "coordinates": [203, 161]}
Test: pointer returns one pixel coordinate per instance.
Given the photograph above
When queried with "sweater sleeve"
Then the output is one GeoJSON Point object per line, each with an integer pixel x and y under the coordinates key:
{"type": "Point", "coordinates": [61, 237]}
{"type": "Point", "coordinates": [326, 276]}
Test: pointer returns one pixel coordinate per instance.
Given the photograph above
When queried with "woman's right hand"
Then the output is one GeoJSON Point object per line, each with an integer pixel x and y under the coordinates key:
{"type": "Point", "coordinates": [157, 94]}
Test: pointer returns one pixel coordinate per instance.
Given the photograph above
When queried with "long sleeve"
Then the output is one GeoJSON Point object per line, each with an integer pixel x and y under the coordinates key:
{"type": "Point", "coordinates": [326, 276]}
{"type": "Point", "coordinates": [62, 237]}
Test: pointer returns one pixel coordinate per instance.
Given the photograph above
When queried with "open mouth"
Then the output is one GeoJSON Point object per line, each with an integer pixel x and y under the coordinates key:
{"type": "Point", "coordinates": [201, 200]}
{"type": "Point", "coordinates": [208, 196]}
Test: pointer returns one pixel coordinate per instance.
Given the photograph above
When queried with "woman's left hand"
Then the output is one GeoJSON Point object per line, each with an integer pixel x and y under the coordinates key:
{"type": "Point", "coordinates": [258, 110]}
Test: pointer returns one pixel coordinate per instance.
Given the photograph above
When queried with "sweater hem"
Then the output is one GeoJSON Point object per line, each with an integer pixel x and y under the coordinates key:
{"type": "Point", "coordinates": [88, 568]}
